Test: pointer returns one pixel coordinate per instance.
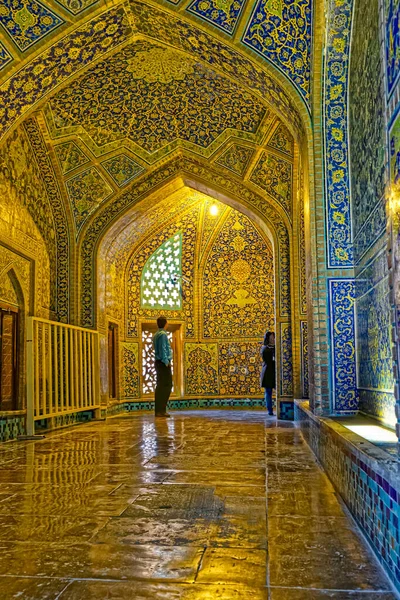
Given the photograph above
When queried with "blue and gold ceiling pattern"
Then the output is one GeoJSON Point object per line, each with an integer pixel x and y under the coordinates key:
{"type": "Point", "coordinates": [122, 169]}
{"type": "Point", "coordinates": [70, 156]}
{"type": "Point", "coordinates": [236, 159]}
{"type": "Point", "coordinates": [152, 96]}
{"type": "Point", "coordinates": [279, 31]}
{"type": "Point", "coordinates": [139, 83]}
{"type": "Point", "coordinates": [5, 56]}
{"type": "Point", "coordinates": [221, 13]}
{"type": "Point", "coordinates": [27, 22]}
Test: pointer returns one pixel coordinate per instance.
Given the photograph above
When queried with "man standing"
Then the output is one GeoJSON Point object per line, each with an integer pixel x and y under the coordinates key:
{"type": "Point", "coordinates": [163, 358]}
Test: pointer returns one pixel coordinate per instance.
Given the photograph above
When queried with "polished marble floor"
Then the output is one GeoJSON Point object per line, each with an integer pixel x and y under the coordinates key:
{"type": "Point", "coordinates": [202, 506]}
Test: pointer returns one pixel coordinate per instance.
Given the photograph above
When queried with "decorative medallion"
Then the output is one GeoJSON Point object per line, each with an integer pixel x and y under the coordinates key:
{"type": "Point", "coordinates": [240, 269]}
{"type": "Point", "coordinates": [27, 22]}
{"type": "Point", "coordinates": [160, 64]}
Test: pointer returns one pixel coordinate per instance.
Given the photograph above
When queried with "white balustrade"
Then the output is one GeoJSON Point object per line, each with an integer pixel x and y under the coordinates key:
{"type": "Point", "coordinates": [62, 370]}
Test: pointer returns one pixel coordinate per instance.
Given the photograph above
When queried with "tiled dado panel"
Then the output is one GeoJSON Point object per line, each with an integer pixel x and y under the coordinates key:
{"type": "Point", "coordinates": [342, 345]}
{"type": "Point", "coordinates": [197, 403]}
{"type": "Point", "coordinates": [304, 358]}
{"type": "Point", "coordinates": [368, 484]}
{"type": "Point", "coordinates": [374, 343]}
{"type": "Point", "coordinates": [11, 427]}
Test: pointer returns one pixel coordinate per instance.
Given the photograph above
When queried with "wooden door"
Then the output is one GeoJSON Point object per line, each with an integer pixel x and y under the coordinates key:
{"type": "Point", "coordinates": [8, 358]}
{"type": "Point", "coordinates": [112, 360]}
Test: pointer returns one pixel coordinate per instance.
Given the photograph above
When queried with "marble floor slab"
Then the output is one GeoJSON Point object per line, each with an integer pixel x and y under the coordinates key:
{"type": "Point", "coordinates": [207, 505]}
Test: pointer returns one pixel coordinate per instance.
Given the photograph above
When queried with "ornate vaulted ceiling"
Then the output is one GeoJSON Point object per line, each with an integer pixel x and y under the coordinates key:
{"type": "Point", "coordinates": [266, 44]}
{"type": "Point", "coordinates": [119, 91]}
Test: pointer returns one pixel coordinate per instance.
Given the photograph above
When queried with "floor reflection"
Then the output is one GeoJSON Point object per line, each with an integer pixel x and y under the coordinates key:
{"type": "Point", "coordinates": [201, 506]}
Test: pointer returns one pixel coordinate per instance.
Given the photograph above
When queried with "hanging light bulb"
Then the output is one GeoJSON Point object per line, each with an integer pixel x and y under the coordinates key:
{"type": "Point", "coordinates": [214, 210]}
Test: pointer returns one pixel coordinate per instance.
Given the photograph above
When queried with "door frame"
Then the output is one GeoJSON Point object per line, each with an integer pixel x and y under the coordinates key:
{"type": "Point", "coordinates": [9, 308]}
{"type": "Point", "coordinates": [113, 359]}
{"type": "Point", "coordinates": [176, 327]}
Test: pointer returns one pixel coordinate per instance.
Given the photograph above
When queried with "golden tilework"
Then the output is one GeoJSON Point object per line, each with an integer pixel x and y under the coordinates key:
{"type": "Point", "coordinates": [239, 368]}
{"type": "Point", "coordinates": [274, 175]}
{"type": "Point", "coordinates": [27, 21]}
{"type": "Point", "coordinates": [216, 366]}
{"type": "Point", "coordinates": [188, 100]}
{"type": "Point", "coordinates": [201, 369]}
{"type": "Point", "coordinates": [238, 295]}
{"type": "Point", "coordinates": [122, 169]}
{"type": "Point", "coordinates": [173, 169]}
{"type": "Point", "coordinates": [70, 156]}
{"type": "Point", "coordinates": [86, 191]}
{"type": "Point", "coordinates": [236, 158]}
{"type": "Point", "coordinates": [282, 140]}
{"type": "Point", "coordinates": [209, 224]}
{"type": "Point", "coordinates": [129, 357]}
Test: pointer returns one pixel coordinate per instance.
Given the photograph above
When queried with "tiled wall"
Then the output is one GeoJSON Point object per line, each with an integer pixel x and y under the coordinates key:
{"type": "Point", "coordinates": [11, 427]}
{"type": "Point", "coordinates": [193, 403]}
{"type": "Point", "coordinates": [368, 161]}
{"type": "Point", "coordinates": [366, 480]}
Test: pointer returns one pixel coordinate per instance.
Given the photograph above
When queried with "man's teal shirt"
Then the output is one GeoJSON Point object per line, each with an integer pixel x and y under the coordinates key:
{"type": "Point", "coordinates": [162, 347]}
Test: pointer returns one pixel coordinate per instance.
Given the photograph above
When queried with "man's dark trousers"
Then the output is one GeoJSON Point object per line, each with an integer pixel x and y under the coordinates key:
{"type": "Point", "coordinates": [163, 387]}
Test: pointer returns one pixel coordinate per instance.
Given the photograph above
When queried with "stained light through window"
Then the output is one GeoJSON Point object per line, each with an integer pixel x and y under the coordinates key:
{"type": "Point", "coordinates": [161, 276]}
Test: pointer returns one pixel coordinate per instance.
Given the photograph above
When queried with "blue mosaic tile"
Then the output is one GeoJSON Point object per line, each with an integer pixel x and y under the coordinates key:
{"type": "Point", "coordinates": [304, 358]}
{"type": "Point", "coordinates": [339, 232]}
{"type": "Point", "coordinates": [392, 42]}
{"type": "Point", "coordinates": [65, 420]}
{"type": "Point", "coordinates": [286, 410]}
{"type": "Point", "coordinates": [342, 343]}
{"type": "Point", "coordinates": [224, 14]}
{"type": "Point", "coordinates": [11, 428]}
{"type": "Point", "coordinates": [198, 403]}
{"type": "Point", "coordinates": [280, 31]}
{"type": "Point", "coordinates": [5, 56]}
{"type": "Point", "coordinates": [27, 21]}
{"type": "Point", "coordinates": [371, 498]}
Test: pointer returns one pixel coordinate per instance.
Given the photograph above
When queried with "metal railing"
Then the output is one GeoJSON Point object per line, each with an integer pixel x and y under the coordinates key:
{"type": "Point", "coordinates": [62, 370]}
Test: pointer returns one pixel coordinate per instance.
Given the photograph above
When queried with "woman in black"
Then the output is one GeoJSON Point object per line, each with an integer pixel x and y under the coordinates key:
{"type": "Point", "coordinates": [268, 368]}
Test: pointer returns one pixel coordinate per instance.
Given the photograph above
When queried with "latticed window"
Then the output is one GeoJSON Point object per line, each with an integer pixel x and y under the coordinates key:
{"type": "Point", "coordinates": [161, 276]}
{"type": "Point", "coordinates": [148, 368]}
